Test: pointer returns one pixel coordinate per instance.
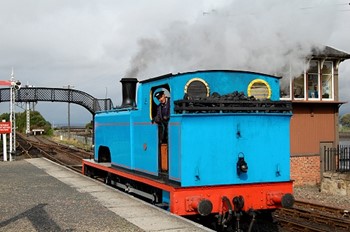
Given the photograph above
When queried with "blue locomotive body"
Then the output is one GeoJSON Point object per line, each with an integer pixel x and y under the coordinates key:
{"type": "Point", "coordinates": [206, 141]}
{"type": "Point", "coordinates": [226, 150]}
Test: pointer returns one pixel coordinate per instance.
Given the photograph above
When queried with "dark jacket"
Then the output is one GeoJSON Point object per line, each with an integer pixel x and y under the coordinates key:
{"type": "Point", "coordinates": [163, 112]}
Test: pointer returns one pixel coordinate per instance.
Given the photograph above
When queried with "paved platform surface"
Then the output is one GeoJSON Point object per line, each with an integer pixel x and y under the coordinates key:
{"type": "Point", "coordinates": [39, 195]}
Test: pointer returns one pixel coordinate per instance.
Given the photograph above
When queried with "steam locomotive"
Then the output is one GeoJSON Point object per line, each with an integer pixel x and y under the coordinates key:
{"type": "Point", "coordinates": [227, 148]}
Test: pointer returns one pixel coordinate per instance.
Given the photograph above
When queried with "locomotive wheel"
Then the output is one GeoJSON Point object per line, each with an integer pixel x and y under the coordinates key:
{"type": "Point", "coordinates": [108, 180]}
{"type": "Point", "coordinates": [89, 172]}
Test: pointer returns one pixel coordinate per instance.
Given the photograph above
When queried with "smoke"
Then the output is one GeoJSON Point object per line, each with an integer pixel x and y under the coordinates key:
{"type": "Point", "coordinates": [268, 36]}
{"type": "Point", "coordinates": [145, 56]}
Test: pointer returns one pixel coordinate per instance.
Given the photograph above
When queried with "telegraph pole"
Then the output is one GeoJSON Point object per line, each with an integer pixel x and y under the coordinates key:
{"type": "Point", "coordinates": [69, 87]}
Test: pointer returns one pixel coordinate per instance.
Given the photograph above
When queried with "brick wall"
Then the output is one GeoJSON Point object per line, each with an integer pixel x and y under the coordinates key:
{"type": "Point", "coordinates": [305, 170]}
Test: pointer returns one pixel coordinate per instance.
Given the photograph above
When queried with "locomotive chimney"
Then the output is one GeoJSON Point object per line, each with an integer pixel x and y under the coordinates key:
{"type": "Point", "coordinates": [129, 91]}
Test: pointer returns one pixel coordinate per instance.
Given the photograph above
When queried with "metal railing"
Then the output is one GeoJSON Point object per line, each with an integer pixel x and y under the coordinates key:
{"type": "Point", "coordinates": [336, 159]}
{"type": "Point", "coordinates": [35, 94]}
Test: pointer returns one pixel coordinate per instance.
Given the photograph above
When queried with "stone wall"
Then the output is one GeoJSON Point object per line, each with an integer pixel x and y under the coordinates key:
{"type": "Point", "coordinates": [336, 183]}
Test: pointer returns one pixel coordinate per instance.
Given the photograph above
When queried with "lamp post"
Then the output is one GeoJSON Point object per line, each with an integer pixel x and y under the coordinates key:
{"type": "Point", "coordinates": [69, 87]}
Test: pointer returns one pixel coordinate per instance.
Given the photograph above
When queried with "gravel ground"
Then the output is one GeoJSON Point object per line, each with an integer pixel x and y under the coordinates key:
{"type": "Point", "coordinates": [314, 195]}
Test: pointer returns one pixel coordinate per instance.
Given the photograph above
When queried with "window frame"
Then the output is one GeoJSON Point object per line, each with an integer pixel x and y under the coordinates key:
{"type": "Point", "coordinates": [200, 80]}
{"type": "Point", "coordinates": [312, 83]}
{"type": "Point", "coordinates": [292, 85]}
{"type": "Point", "coordinates": [303, 87]}
{"type": "Point", "coordinates": [259, 81]}
{"type": "Point", "coordinates": [331, 98]}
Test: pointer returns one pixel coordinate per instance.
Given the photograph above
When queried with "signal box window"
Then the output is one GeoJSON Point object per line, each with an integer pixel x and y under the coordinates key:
{"type": "Point", "coordinates": [327, 80]}
{"type": "Point", "coordinates": [312, 80]}
{"type": "Point", "coordinates": [299, 86]}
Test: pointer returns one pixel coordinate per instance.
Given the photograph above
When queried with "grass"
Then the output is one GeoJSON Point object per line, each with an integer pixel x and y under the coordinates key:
{"type": "Point", "coordinates": [72, 142]}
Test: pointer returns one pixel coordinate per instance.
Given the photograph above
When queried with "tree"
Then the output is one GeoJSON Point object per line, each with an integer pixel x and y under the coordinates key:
{"type": "Point", "coordinates": [89, 126]}
{"type": "Point", "coordinates": [5, 116]}
{"type": "Point", "coordinates": [345, 121]}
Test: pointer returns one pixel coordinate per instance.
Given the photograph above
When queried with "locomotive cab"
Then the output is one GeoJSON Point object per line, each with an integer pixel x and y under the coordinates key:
{"type": "Point", "coordinates": [162, 125]}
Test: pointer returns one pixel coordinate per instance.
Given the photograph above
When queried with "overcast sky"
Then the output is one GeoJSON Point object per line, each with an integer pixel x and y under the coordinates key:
{"type": "Point", "coordinates": [92, 44]}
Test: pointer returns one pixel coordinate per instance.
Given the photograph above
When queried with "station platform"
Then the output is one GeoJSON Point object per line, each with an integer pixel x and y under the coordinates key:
{"type": "Point", "coordinates": [39, 195]}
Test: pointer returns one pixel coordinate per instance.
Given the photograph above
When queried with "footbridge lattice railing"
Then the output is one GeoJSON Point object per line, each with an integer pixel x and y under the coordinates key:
{"type": "Point", "coordinates": [35, 94]}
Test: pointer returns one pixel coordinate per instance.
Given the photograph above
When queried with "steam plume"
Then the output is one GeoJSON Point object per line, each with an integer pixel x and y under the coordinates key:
{"type": "Point", "coordinates": [263, 36]}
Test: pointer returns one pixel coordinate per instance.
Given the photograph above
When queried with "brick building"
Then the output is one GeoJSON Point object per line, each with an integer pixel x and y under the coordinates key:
{"type": "Point", "coordinates": [314, 124]}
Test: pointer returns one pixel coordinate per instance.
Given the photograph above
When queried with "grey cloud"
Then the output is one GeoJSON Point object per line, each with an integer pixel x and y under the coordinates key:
{"type": "Point", "coordinates": [92, 44]}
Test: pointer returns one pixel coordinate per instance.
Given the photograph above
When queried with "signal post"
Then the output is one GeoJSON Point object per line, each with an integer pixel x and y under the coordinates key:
{"type": "Point", "coordinates": [13, 85]}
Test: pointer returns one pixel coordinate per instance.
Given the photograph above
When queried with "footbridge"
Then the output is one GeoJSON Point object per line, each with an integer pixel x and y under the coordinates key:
{"type": "Point", "coordinates": [35, 94]}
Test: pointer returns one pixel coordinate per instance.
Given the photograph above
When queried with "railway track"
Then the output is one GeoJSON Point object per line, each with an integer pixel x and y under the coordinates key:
{"type": "Point", "coordinates": [306, 216]}
{"type": "Point", "coordinates": [38, 146]}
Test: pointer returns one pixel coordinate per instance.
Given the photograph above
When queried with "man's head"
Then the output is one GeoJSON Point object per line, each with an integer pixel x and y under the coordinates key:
{"type": "Point", "coordinates": [160, 96]}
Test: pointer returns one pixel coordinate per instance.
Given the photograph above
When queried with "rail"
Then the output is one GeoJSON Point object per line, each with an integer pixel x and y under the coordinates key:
{"type": "Point", "coordinates": [306, 216]}
{"type": "Point", "coordinates": [38, 146]}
